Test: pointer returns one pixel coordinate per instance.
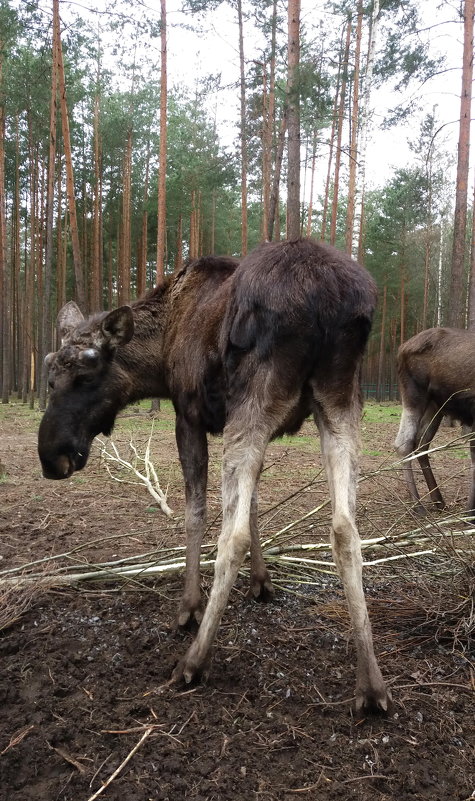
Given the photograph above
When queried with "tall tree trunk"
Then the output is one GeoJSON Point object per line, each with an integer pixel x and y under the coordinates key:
{"type": "Point", "coordinates": [274, 226]}
{"type": "Point", "coordinates": [471, 296]}
{"type": "Point", "coordinates": [30, 267]}
{"type": "Point", "coordinates": [358, 243]}
{"type": "Point", "coordinates": [381, 360]}
{"type": "Point", "coordinates": [244, 157]}
{"type": "Point", "coordinates": [193, 246]}
{"type": "Point", "coordinates": [353, 154]}
{"type": "Point", "coordinates": [60, 244]}
{"type": "Point", "coordinates": [162, 168]}
{"type": "Point", "coordinates": [45, 299]}
{"type": "Point", "coordinates": [293, 153]}
{"type": "Point", "coordinates": [312, 182]}
{"type": "Point", "coordinates": [336, 177]}
{"type": "Point", "coordinates": [457, 294]}
{"type": "Point", "coordinates": [179, 245]}
{"type": "Point", "coordinates": [97, 267]}
{"type": "Point", "coordinates": [142, 260]}
{"type": "Point", "coordinates": [331, 145]}
{"type": "Point", "coordinates": [123, 288]}
{"type": "Point", "coordinates": [16, 327]}
{"type": "Point", "coordinates": [73, 222]}
{"type": "Point", "coordinates": [266, 141]}
{"type": "Point", "coordinates": [4, 282]}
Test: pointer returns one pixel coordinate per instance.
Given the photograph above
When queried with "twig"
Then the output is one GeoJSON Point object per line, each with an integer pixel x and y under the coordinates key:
{"type": "Point", "coordinates": [129, 756]}
{"type": "Point", "coordinates": [363, 778]}
{"type": "Point", "coordinates": [150, 479]}
{"type": "Point", "coordinates": [16, 738]}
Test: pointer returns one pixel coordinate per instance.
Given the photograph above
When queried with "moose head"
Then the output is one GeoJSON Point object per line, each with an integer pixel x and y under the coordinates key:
{"type": "Point", "coordinates": [86, 392]}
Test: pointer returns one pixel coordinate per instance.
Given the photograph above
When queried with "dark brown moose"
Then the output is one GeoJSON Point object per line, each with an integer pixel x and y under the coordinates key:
{"type": "Point", "coordinates": [250, 350]}
{"type": "Point", "coordinates": [436, 378]}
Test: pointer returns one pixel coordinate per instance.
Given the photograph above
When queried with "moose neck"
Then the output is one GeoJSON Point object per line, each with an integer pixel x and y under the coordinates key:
{"type": "Point", "coordinates": [141, 361]}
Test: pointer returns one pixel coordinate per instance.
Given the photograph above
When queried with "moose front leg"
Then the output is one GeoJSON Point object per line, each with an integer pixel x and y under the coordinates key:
{"type": "Point", "coordinates": [339, 440]}
{"type": "Point", "coordinates": [242, 460]}
{"type": "Point", "coordinates": [193, 451]}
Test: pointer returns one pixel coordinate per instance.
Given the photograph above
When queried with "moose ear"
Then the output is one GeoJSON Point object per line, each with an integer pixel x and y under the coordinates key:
{"type": "Point", "coordinates": [117, 327]}
{"type": "Point", "coordinates": [68, 318]}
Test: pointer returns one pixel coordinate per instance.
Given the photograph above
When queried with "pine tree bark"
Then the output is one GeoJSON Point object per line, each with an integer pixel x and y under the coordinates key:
{"type": "Point", "coordinates": [179, 245]}
{"type": "Point", "coordinates": [381, 359]}
{"type": "Point", "coordinates": [60, 243]}
{"type": "Point", "coordinates": [17, 233]}
{"type": "Point", "coordinates": [471, 296]}
{"type": "Point", "coordinates": [331, 146]}
{"type": "Point", "coordinates": [274, 223]}
{"type": "Point", "coordinates": [358, 243]}
{"type": "Point", "coordinates": [244, 156]}
{"type": "Point", "coordinates": [312, 182]}
{"type": "Point", "coordinates": [353, 153]}
{"type": "Point", "coordinates": [28, 339]}
{"type": "Point", "coordinates": [123, 288]}
{"type": "Point", "coordinates": [142, 260]}
{"type": "Point", "coordinates": [73, 222]}
{"type": "Point", "coordinates": [266, 143]}
{"type": "Point", "coordinates": [293, 153]}
{"type": "Point", "coordinates": [162, 168]}
{"type": "Point", "coordinates": [4, 278]}
{"type": "Point", "coordinates": [457, 290]}
{"type": "Point", "coordinates": [336, 177]}
{"type": "Point", "coordinates": [45, 299]}
{"type": "Point", "coordinates": [97, 266]}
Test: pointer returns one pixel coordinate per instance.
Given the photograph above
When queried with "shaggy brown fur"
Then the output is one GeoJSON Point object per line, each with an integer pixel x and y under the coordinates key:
{"type": "Point", "coordinates": [250, 350]}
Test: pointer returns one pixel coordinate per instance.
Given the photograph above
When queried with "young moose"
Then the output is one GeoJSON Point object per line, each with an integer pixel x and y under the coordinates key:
{"type": "Point", "coordinates": [250, 350]}
{"type": "Point", "coordinates": [436, 377]}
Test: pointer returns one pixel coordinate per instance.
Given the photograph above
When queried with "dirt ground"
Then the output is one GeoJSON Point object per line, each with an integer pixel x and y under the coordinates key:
{"type": "Point", "coordinates": [84, 670]}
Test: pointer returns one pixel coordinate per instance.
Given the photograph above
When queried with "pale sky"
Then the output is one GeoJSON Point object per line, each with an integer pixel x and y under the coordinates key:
{"type": "Point", "coordinates": [192, 55]}
{"type": "Point", "coordinates": [216, 51]}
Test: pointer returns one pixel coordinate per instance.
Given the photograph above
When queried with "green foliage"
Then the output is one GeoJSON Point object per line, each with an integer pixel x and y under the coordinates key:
{"type": "Point", "coordinates": [405, 56]}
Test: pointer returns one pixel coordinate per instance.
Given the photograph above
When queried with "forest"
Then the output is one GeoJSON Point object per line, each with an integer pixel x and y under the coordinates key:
{"type": "Point", "coordinates": [114, 170]}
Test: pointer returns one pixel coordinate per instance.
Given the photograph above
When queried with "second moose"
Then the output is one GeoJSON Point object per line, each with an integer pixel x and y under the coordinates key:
{"type": "Point", "coordinates": [436, 378]}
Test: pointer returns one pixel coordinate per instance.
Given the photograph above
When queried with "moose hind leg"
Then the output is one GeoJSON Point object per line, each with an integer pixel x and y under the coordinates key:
{"type": "Point", "coordinates": [429, 426]}
{"type": "Point", "coordinates": [193, 450]}
{"type": "Point", "coordinates": [340, 440]}
{"type": "Point", "coordinates": [405, 444]}
{"type": "Point", "coordinates": [260, 588]}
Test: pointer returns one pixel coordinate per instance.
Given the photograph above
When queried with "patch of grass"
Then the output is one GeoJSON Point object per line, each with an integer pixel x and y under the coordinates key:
{"type": "Point", "coordinates": [21, 412]}
{"type": "Point", "coordinates": [137, 417]}
{"type": "Point", "coordinates": [381, 412]}
{"type": "Point", "coordinates": [459, 453]}
{"type": "Point", "coordinates": [299, 441]}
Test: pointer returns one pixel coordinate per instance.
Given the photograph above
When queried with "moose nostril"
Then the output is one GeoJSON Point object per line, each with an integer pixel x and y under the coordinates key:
{"type": "Point", "coordinates": [64, 467]}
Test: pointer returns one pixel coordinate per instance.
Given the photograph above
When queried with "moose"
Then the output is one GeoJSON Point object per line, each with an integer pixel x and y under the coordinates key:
{"type": "Point", "coordinates": [249, 350]}
{"type": "Point", "coordinates": [436, 378]}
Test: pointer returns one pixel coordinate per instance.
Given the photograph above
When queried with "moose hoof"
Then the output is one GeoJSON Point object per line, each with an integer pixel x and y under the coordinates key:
{"type": "Point", "coordinates": [419, 510]}
{"type": "Point", "coordinates": [377, 701]}
{"type": "Point", "coordinates": [189, 617]}
{"type": "Point", "coordinates": [190, 670]}
{"type": "Point", "coordinates": [261, 589]}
